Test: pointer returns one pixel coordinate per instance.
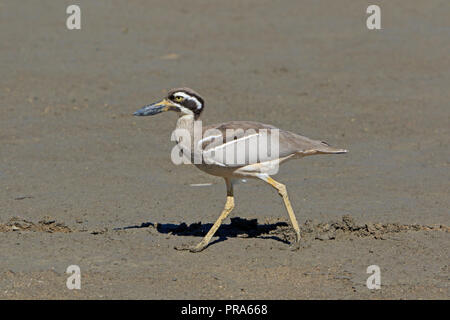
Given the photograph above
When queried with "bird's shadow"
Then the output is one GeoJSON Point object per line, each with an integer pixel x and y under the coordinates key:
{"type": "Point", "coordinates": [239, 227]}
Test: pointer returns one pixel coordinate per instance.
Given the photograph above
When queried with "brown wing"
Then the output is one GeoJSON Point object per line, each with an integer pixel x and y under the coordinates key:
{"type": "Point", "coordinates": [288, 143]}
{"type": "Point", "coordinates": [231, 130]}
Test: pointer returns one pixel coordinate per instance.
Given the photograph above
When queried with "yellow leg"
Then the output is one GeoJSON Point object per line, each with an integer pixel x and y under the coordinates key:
{"type": "Point", "coordinates": [283, 193]}
{"type": "Point", "coordinates": [229, 205]}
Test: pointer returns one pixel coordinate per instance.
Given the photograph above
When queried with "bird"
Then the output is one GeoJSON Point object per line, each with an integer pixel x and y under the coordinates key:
{"type": "Point", "coordinates": [215, 148]}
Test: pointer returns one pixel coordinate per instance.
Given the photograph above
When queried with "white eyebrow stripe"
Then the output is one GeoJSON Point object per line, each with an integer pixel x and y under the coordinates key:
{"type": "Point", "coordinates": [188, 97]}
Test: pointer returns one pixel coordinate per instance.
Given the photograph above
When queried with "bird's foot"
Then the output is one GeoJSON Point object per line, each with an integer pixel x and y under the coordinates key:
{"type": "Point", "coordinates": [294, 246]}
{"type": "Point", "coordinates": [189, 248]}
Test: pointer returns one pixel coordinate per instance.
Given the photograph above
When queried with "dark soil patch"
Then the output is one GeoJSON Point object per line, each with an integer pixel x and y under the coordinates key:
{"type": "Point", "coordinates": [45, 225]}
{"type": "Point", "coordinates": [281, 229]}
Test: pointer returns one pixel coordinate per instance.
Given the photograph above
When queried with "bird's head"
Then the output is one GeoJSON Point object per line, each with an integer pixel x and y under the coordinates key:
{"type": "Point", "coordinates": [185, 101]}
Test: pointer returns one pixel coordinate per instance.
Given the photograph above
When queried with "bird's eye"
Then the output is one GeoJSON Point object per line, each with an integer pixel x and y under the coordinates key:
{"type": "Point", "coordinates": [178, 98]}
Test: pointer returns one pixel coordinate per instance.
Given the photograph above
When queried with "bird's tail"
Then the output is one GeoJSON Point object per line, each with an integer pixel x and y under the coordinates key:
{"type": "Point", "coordinates": [325, 148]}
{"type": "Point", "coordinates": [330, 150]}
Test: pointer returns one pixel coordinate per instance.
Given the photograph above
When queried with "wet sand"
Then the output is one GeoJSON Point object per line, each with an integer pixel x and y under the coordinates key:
{"type": "Point", "coordinates": [85, 183]}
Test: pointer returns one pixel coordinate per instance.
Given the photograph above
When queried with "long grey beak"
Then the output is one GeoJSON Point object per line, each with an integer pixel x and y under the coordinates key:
{"type": "Point", "coordinates": [155, 108]}
{"type": "Point", "coordinates": [149, 110]}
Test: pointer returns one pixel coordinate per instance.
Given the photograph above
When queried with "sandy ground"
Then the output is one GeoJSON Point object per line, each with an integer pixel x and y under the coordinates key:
{"type": "Point", "coordinates": [85, 183]}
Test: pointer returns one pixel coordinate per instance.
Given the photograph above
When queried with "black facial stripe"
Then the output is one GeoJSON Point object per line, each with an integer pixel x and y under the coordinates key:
{"type": "Point", "coordinates": [193, 96]}
{"type": "Point", "coordinates": [190, 104]}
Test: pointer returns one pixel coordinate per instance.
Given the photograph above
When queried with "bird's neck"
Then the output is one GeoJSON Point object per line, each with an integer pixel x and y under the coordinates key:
{"type": "Point", "coordinates": [186, 122]}
{"type": "Point", "coordinates": [184, 132]}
